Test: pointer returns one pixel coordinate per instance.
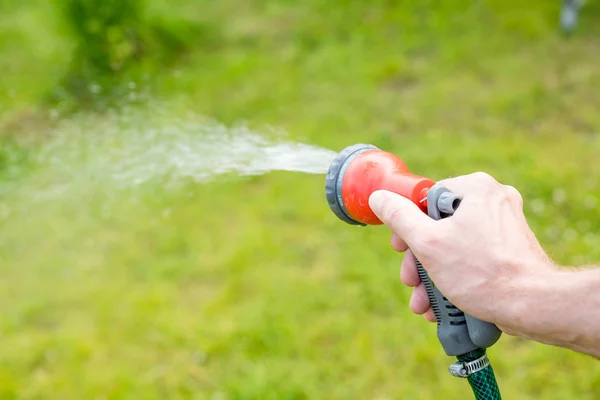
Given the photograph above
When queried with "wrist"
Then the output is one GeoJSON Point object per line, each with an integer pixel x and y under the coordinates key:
{"type": "Point", "coordinates": [532, 303]}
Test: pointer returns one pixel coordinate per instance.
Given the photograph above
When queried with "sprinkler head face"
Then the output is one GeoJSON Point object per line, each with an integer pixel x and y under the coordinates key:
{"type": "Point", "coordinates": [361, 169]}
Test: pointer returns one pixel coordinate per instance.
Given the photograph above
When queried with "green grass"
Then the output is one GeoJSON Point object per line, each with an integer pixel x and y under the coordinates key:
{"type": "Point", "coordinates": [251, 288]}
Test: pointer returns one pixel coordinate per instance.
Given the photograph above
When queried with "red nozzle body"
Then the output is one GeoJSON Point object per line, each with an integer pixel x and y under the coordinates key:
{"type": "Point", "coordinates": [360, 170]}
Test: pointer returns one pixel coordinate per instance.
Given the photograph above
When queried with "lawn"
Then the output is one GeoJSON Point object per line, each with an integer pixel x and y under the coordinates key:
{"type": "Point", "coordinates": [249, 287]}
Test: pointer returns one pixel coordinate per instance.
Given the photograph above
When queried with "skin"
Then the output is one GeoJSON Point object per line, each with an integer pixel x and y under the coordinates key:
{"type": "Point", "coordinates": [488, 262]}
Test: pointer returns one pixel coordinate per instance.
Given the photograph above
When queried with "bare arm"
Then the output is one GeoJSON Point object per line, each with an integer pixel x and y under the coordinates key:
{"type": "Point", "coordinates": [561, 309]}
{"type": "Point", "coordinates": [488, 262]}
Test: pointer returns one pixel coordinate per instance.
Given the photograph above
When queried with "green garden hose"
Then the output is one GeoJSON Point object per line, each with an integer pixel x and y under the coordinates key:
{"type": "Point", "coordinates": [482, 380]}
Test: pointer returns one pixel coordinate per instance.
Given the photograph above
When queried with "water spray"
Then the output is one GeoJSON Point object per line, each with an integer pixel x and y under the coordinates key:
{"type": "Point", "coordinates": [358, 171]}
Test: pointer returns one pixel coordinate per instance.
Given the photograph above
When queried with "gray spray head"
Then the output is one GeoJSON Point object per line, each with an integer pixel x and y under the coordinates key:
{"type": "Point", "coordinates": [335, 177]}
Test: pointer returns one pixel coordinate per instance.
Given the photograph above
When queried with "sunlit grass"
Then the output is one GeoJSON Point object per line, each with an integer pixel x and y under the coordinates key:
{"type": "Point", "coordinates": [250, 288]}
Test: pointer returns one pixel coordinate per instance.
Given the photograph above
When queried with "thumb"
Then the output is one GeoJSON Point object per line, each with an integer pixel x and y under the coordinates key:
{"type": "Point", "coordinates": [399, 214]}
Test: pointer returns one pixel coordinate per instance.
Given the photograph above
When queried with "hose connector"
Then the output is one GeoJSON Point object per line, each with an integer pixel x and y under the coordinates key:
{"type": "Point", "coordinates": [464, 369]}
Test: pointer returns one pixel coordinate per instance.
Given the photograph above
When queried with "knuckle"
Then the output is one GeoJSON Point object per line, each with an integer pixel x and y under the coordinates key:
{"type": "Point", "coordinates": [447, 181]}
{"type": "Point", "coordinates": [513, 194]}
{"type": "Point", "coordinates": [484, 177]}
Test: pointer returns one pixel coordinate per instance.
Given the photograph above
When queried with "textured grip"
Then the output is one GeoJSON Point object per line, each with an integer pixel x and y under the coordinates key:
{"type": "Point", "coordinates": [452, 331]}
{"type": "Point", "coordinates": [433, 301]}
{"type": "Point", "coordinates": [458, 333]}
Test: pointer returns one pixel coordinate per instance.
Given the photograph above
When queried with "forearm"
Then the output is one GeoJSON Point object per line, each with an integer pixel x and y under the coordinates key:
{"type": "Point", "coordinates": [562, 308]}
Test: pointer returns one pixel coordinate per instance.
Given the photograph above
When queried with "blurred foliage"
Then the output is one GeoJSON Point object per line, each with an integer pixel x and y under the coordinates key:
{"type": "Point", "coordinates": [117, 42]}
{"type": "Point", "coordinates": [250, 288]}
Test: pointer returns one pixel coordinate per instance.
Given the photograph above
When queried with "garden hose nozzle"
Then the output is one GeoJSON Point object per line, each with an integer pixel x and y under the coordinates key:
{"type": "Point", "coordinates": [357, 172]}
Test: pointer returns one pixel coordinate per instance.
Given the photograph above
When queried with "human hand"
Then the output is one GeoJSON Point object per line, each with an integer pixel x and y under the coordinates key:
{"type": "Point", "coordinates": [481, 258]}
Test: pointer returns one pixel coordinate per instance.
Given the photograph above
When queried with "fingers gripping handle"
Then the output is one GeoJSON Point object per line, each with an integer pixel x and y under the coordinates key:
{"type": "Point", "coordinates": [458, 332]}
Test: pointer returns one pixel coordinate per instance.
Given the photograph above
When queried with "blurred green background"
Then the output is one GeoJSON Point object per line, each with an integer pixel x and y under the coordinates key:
{"type": "Point", "coordinates": [250, 288]}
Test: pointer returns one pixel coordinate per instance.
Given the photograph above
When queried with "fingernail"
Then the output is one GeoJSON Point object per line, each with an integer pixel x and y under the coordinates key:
{"type": "Point", "coordinates": [375, 200]}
